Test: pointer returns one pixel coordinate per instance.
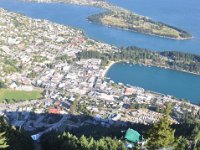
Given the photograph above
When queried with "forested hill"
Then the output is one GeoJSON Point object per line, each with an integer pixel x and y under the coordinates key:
{"type": "Point", "coordinates": [133, 22]}
{"type": "Point", "coordinates": [167, 59]}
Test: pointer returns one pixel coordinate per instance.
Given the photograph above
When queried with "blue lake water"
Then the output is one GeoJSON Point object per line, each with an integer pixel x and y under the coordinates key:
{"type": "Point", "coordinates": [180, 13]}
{"type": "Point", "coordinates": [178, 84]}
{"type": "Point", "coordinates": [184, 14]}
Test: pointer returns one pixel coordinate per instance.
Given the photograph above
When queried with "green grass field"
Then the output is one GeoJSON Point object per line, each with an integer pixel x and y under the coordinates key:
{"type": "Point", "coordinates": [12, 96]}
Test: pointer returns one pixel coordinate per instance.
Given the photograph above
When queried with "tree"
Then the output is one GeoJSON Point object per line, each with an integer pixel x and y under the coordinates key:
{"type": "Point", "coordinates": [91, 143]}
{"type": "Point", "coordinates": [181, 143]}
{"type": "Point", "coordinates": [101, 145]}
{"type": "Point", "coordinates": [84, 143]}
{"type": "Point", "coordinates": [3, 141]}
{"type": "Point", "coordinates": [161, 135]}
{"type": "Point", "coordinates": [2, 84]}
{"type": "Point", "coordinates": [71, 142]}
{"type": "Point", "coordinates": [196, 136]}
{"type": "Point", "coordinates": [17, 140]}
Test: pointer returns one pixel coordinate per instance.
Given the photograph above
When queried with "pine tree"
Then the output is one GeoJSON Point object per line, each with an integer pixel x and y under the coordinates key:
{"type": "Point", "coordinates": [17, 140]}
{"type": "Point", "coordinates": [91, 143]}
{"type": "Point", "coordinates": [3, 142]}
{"type": "Point", "coordinates": [181, 143]}
{"type": "Point", "coordinates": [161, 135]}
{"type": "Point", "coordinates": [84, 143]}
{"type": "Point", "coordinates": [196, 135]}
{"type": "Point", "coordinates": [101, 145]}
{"type": "Point", "coordinates": [121, 146]}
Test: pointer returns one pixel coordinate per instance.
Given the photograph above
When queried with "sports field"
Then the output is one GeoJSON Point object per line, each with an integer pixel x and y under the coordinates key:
{"type": "Point", "coordinates": [12, 96]}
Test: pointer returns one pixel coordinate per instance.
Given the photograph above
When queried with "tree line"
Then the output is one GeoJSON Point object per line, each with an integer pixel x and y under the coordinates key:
{"type": "Point", "coordinates": [14, 139]}
{"type": "Point", "coordinates": [170, 59]}
{"type": "Point", "coordinates": [161, 134]}
{"type": "Point", "coordinates": [133, 20]}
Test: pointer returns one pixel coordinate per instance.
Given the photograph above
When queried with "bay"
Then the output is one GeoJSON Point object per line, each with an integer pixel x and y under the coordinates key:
{"type": "Point", "coordinates": [166, 81]}
{"type": "Point", "coordinates": [183, 14]}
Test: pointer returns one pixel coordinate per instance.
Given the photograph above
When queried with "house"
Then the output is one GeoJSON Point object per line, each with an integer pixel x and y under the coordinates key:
{"type": "Point", "coordinates": [106, 97]}
{"type": "Point", "coordinates": [48, 102]}
{"type": "Point", "coordinates": [13, 85]}
{"type": "Point", "coordinates": [57, 103]}
{"type": "Point", "coordinates": [116, 117]}
{"type": "Point", "coordinates": [132, 138]}
{"type": "Point", "coordinates": [54, 110]}
{"type": "Point", "coordinates": [25, 88]}
{"type": "Point", "coordinates": [129, 91]}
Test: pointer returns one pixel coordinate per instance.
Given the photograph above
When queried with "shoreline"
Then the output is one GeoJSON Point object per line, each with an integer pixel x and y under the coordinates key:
{"type": "Point", "coordinates": [161, 67]}
{"type": "Point", "coordinates": [148, 34]}
{"type": "Point", "coordinates": [107, 67]}
{"type": "Point", "coordinates": [113, 26]}
{"type": "Point", "coordinates": [111, 63]}
{"type": "Point", "coordinates": [165, 67]}
{"type": "Point", "coordinates": [177, 99]}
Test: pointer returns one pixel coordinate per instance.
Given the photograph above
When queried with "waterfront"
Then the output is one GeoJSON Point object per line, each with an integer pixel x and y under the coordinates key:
{"type": "Point", "coordinates": [180, 13]}
{"type": "Point", "coordinates": [69, 68]}
{"type": "Point", "coordinates": [76, 16]}
{"type": "Point", "coordinates": [179, 84]}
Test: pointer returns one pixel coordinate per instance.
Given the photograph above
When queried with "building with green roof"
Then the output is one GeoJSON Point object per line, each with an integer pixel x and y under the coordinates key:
{"type": "Point", "coordinates": [132, 138]}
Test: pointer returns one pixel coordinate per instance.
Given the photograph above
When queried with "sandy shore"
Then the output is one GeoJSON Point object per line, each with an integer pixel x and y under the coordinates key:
{"type": "Point", "coordinates": [107, 68]}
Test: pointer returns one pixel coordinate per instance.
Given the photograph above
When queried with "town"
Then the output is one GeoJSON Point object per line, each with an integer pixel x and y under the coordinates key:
{"type": "Point", "coordinates": [41, 55]}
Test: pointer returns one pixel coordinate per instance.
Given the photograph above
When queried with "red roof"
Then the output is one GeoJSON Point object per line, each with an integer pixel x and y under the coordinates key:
{"type": "Point", "coordinates": [54, 110]}
{"type": "Point", "coordinates": [129, 91]}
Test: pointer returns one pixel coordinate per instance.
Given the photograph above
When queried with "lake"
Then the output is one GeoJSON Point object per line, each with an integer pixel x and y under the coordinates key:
{"type": "Point", "coordinates": [180, 13]}
{"type": "Point", "coordinates": [166, 81]}
{"type": "Point", "coordinates": [183, 14]}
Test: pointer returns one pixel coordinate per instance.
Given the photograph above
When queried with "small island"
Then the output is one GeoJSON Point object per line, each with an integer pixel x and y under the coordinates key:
{"type": "Point", "coordinates": [119, 17]}
{"type": "Point", "coordinates": [52, 80]}
{"type": "Point", "coordinates": [133, 22]}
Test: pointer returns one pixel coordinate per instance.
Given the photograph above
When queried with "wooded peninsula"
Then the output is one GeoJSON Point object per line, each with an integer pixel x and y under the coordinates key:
{"type": "Point", "coordinates": [166, 59]}
{"type": "Point", "coordinates": [133, 22]}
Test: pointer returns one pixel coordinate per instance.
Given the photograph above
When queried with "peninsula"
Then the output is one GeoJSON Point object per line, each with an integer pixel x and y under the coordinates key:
{"type": "Point", "coordinates": [137, 23]}
{"type": "Point", "coordinates": [179, 61]}
{"type": "Point", "coordinates": [121, 18]}
{"type": "Point", "coordinates": [69, 69]}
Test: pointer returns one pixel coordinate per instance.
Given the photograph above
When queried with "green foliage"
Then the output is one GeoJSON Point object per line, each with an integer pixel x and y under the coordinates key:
{"type": "Point", "coordinates": [196, 136]}
{"type": "Point", "coordinates": [138, 106]}
{"type": "Point", "coordinates": [171, 59]}
{"type": "Point", "coordinates": [69, 141]}
{"type": "Point", "coordinates": [17, 140]}
{"type": "Point", "coordinates": [63, 58]}
{"type": "Point", "coordinates": [138, 23]}
{"type": "Point", "coordinates": [2, 84]}
{"type": "Point", "coordinates": [181, 143]}
{"type": "Point", "coordinates": [161, 135]}
{"type": "Point", "coordinates": [94, 54]}
{"type": "Point", "coordinates": [39, 59]}
{"type": "Point", "coordinates": [83, 109]}
{"type": "Point", "coordinates": [74, 105]}
{"type": "Point", "coordinates": [50, 65]}
{"type": "Point", "coordinates": [9, 69]}
{"type": "Point", "coordinates": [32, 74]}
{"type": "Point", "coordinates": [10, 66]}
{"type": "Point", "coordinates": [96, 137]}
{"type": "Point", "coordinates": [3, 141]}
